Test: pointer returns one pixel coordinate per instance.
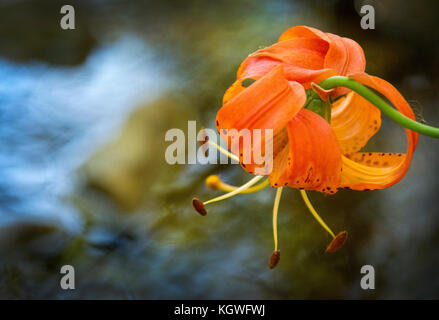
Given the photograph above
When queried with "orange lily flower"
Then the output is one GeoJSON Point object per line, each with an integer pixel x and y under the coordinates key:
{"type": "Point", "coordinates": [309, 151]}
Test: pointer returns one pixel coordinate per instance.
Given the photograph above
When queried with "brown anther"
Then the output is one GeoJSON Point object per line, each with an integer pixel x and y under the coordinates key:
{"type": "Point", "coordinates": [274, 259]}
{"type": "Point", "coordinates": [323, 93]}
{"type": "Point", "coordinates": [337, 242]}
{"type": "Point", "coordinates": [213, 182]}
{"type": "Point", "coordinates": [199, 206]}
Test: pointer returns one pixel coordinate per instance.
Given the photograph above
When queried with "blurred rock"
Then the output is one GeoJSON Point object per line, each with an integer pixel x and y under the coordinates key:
{"type": "Point", "coordinates": [128, 167]}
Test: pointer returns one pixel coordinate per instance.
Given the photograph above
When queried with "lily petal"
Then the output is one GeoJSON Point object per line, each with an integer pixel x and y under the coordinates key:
{"type": "Point", "coordinates": [301, 52]}
{"type": "Point", "coordinates": [354, 121]}
{"type": "Point", "coordinates": [303, 32]}
{"type": "Point", "coordinates": [344, 56]}
{"type": "Point", "coordinates": [303, 60]}
{"type": "Point", "coordinates": [313, 161]}
{"type": "Point", "coordinates": [368, 171]}
{"type": "Point", "coordinates": [237, 87]}
{"type": "Point", "coordinates": [268, 103]}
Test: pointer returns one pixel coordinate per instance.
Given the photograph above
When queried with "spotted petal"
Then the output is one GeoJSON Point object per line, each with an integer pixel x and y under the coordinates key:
{"type": "Point", "coordinates": [376, 170]}
{"type": "Point", "coordinates": [354, 121]}
{"type": "Point", "coordinates": [312, 157]}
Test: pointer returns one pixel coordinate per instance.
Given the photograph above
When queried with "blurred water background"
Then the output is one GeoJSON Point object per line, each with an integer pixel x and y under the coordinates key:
{"type": "Point", "coordinates": [83, 115]}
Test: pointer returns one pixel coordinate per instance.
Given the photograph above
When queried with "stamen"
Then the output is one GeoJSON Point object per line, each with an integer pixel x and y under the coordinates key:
{"type": "Point", "coordinates": [275, 256]}
{"type": "Point", "coordinates": [338, 240]}
{"type": "Point", "coordinates": [224, 151]}
{"type": "Point", "coordinates": [274, 259]}
{"type": "Point", "coordinates": [236, 191]}
{"type": "Point", "coordinates": [315, 214]}
{"type": "Point", "coordinates": [199, 206]}
{"type": "Point", "coordinates": [215, 183]}
{"type": "Point", "coordinates": [275, 210]}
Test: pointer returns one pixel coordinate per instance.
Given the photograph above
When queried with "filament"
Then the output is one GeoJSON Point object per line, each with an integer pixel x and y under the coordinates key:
{"type": "Point", "coordinates": [224, 151]}
{"type": "Point", "coordinates": [236, 191]}
{"type": "Point", "coordinates": [275, 210]}
{"type": "Point", "coordinates": [214, 182]}
{"type": "Point", "coordinates": [315, 214]}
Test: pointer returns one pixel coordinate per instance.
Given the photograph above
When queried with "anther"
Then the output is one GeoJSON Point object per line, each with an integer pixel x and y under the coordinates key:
{"type": "Point", "coordinates": [337, 242]}
{"type": "Point", "coordinates": [199, 206]}
{"type": "Point", "coordinates": [274, 259]}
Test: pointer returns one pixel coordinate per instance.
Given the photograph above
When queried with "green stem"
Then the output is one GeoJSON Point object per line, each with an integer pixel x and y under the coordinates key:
{"type": "Point", "coordinates": [369, 95]}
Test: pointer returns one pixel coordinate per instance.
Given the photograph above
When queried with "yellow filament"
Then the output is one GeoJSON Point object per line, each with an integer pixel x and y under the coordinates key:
{"type": "Point", "coordinates": [226, 152]}
{"type": "Point", "coordinates": [215, 182]}
{"type": "Point", "coordinates": [315, 214]}
{"type": "Point", "coordinates": [236, 191]}
{"type": "Point", "coordinates": [275, 210]}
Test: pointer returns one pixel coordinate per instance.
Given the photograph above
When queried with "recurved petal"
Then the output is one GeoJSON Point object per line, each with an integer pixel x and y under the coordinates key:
{"type": "Point", "coordinates": [356, 60]}
{"type": "Point", "coordinates": [268, 103]}
{"type": "Point", "coordinates": [303, 60]}
{"type": "Point", "coordinates": [344, 55]}
{"type": "Point", "coordinates": [354, 121]}
{"type": "Point", "coordinates": [255, 67]}
{"type": "Point", "coordinates": [301, 52]}
{"type": "Point", "coordinates": [380, 170]}
{"type": "Point", "coordinates": [303, 32]}
{"type": "Point", "coordinates": [313, 161]}
{"type": "Point", "coordinates": [237, 87]}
